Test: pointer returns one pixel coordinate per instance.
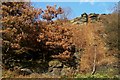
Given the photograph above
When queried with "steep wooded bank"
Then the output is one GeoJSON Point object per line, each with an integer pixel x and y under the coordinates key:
{"type": "Point", "coordinates": [59, 48]}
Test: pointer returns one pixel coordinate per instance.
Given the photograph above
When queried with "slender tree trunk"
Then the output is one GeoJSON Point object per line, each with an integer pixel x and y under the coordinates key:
{"type": "Point", "coordinates": [94, 62]}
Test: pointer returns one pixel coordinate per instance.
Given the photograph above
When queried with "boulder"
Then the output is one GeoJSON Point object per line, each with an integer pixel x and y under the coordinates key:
{"type": "Point", "coordinates": [77, 22]}
{"type": "Point", "coordinates": [55, 64]}
{"type": "Point", "coordinates": [25, 71]}
{"type": "Point", "coordinates": [72, 21]}
{"type": "Point", "coordinates": [81, 19]}
{"type": "Point", "coordinates": [84, 17]}
{"type": "Point", "coordinates": [93, 17]}
{"type": "Point", "coordinates": [55, 67]}
{"type": "Point", "coordinates": [65, 71]}
{"type": "Point", "coordinates": [22, 71]}
{"type": "Point", "coordinates": [56, 71]}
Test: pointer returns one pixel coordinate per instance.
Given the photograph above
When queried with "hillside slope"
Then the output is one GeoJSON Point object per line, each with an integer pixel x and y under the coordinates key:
{"type": "Point", "coordinates": [95, 56]}
{"type": "Point", "coordinates": [91, 49]}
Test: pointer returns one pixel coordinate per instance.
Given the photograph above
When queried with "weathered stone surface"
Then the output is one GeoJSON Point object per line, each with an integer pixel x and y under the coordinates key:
{"type": "Point", "coordinates": [72, 21]}
{"type": "Point", "coordinates": [55, 67]}
{"type": "Point", "coordinates": [80, 20]}
{"type": "Point", "coordinates": [56, 71]}
{"type": "Point", "coordinates": [77, 22]}
{"type": "Point", "coordinates": [68, 72]}
{"type": "Point", "coordinates": [22, 71]}
{"type": "Point", "coordinates": [65, 71]}
{"type": "Point", "coordinates": [55, 64]}
{"type": "Point", "coordinates": [25, 71]}
{"type": "Point", "coordinates": [93, 17]}
{"type": "Point", "coordinates": [65, 66]}
{"type": "Point", "coordinates": [85, 18]}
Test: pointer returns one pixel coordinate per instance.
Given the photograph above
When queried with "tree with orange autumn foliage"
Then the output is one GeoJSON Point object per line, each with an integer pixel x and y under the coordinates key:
{"type": "Point", "coordinates": [25, 37]}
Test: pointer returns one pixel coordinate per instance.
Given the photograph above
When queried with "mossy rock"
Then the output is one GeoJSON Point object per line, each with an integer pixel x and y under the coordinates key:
{"type": "Point", "coordinates": [55, 64]}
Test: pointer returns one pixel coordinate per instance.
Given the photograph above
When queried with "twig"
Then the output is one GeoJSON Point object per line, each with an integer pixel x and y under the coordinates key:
{"type": "Point", "coordinates": [7, 49]}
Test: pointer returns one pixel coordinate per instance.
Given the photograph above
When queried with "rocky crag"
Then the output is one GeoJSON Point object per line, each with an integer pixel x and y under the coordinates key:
{"type": "Point", "coordinates": [86, 18]}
